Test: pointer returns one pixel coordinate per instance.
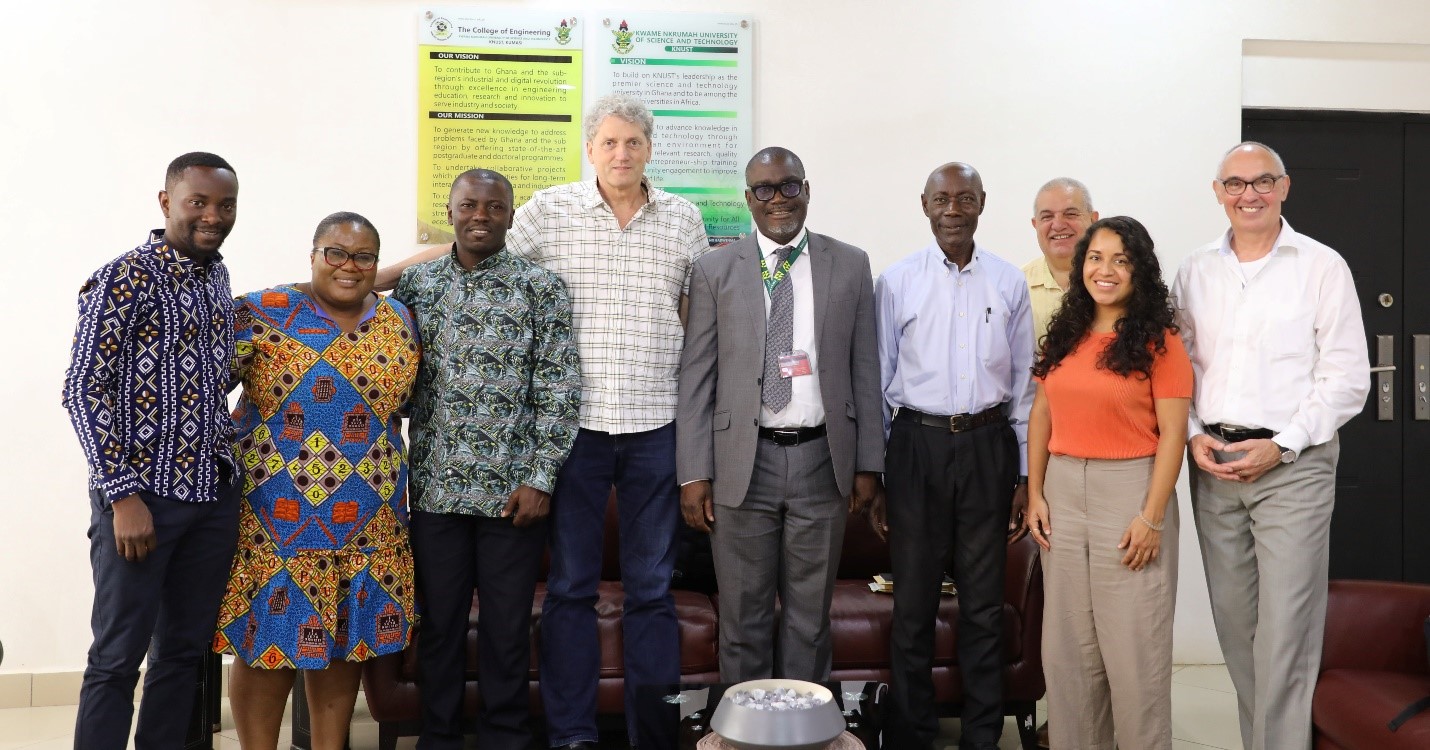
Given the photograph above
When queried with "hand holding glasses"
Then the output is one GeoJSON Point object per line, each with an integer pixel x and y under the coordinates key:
{"type": "Point", "coordinates": [338, 257]}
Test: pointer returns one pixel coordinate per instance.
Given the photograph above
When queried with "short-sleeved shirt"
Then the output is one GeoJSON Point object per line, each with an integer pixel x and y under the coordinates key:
{"type": "Point", "coordinates": [625, 285]}
{"type": "Point", "coordinates": [1044, 295]}
{"type": "Point", "coordinates": [1099, 414]}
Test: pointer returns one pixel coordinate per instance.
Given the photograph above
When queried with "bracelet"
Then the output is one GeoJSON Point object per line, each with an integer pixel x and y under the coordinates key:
{"type": "Point", "coordinates": [1150, 525]}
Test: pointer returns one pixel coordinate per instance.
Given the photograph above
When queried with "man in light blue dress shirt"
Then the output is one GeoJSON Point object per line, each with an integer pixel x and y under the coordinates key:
{"type": "Point", "coordinates": [955, 330]}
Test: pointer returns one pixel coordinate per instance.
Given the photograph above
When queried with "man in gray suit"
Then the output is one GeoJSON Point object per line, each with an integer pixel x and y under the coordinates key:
{"type": "Point", "coordinates": [779, 421]}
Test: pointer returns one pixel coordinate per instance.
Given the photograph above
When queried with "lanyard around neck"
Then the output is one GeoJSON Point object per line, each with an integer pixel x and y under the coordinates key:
{"type": "Point", "coordinates": [773, 279]}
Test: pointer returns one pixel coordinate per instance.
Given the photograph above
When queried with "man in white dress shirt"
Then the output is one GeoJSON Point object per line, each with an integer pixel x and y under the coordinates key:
{"type": "Point", "coordinates": [1273, 325]}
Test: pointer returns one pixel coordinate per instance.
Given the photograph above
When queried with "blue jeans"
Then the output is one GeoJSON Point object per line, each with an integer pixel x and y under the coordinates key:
{"type": "Point", "coordinates": [641, 466]}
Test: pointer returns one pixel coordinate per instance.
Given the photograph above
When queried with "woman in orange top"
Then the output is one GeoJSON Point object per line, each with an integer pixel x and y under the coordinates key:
{"type": "Point", "coordinates": [1105, 443]}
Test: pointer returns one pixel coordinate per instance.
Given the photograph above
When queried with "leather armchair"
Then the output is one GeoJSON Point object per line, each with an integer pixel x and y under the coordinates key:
{"type": "Point", "coordinates": [1372, 667]}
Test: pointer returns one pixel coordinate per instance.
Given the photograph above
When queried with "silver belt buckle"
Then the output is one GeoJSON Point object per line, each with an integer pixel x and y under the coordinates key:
{"type": "Point", "coordinates": [785, 437]}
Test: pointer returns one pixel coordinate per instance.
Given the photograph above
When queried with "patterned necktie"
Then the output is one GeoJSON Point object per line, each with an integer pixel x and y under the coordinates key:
{"type": "Point", "coordinates": [779, 337]}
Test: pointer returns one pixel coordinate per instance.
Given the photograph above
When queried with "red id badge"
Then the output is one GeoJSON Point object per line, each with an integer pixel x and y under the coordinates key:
{"type": "Point", "coordinates": [794, 364]}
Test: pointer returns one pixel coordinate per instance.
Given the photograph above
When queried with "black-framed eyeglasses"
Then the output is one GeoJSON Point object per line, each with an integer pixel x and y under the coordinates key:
{"type": "Point", "coordinates": [790, 189]}
{"type": "Point", "coordinates": [1263, 184]}
{"type": "Point", "coordinates": [338, 257]}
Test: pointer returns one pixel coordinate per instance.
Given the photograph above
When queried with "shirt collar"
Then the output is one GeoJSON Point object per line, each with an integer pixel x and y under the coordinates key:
{"type": "Point", "coordinates": [1042, 275]}
{"type": "Point", "coordinates": [593, 197]}
{"type": "Point", "coordinates": [492, 261]}
{"type": "Point", "coordinates": [175, 261]}
{"type": "Point", "coordinates": [1285, 239]}
{"type": "Point", "coordinates": [936, 256]}
{"type": "Point", "coordinates": [769, 246]}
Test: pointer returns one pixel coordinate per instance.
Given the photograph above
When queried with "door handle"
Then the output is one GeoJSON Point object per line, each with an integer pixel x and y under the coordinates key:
{"type": "Point", "coordinates": [1385, 378]}
{"type": "Point", "coordinates": [1422, 377]}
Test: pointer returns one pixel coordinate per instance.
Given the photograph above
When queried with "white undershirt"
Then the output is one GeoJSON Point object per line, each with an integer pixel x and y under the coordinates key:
{"type": "Point", "coordinates": [1249, 268]}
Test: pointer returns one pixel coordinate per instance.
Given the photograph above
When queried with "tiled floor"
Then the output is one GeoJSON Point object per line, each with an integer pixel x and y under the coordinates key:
{"type": "Point", "coordinates": [1203, 716]}
{"type": "Point", "coordinates": [1203, 712]}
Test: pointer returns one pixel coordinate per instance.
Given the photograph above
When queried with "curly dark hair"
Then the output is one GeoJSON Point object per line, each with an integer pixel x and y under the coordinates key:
{"type": "Point", "coordinates": [1141, 331]}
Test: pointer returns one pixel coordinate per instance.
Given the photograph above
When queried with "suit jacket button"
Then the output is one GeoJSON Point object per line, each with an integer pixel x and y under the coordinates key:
{"type": "Point", "coordinates": [756, 422]}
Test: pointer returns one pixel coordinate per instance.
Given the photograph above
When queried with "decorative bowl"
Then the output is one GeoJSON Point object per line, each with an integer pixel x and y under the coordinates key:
{"type": "Point", "coordinates": [792, 729]}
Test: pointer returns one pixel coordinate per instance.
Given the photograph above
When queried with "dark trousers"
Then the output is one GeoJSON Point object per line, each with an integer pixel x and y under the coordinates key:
{"type": "Point", "coordinates": [166, 606]}
{"type": "Point", "coordinates": [454, 553]}
{"type": "Point", "coordinates": [641, 466]}
{"type": "Point", "coordinates": [949, 498]}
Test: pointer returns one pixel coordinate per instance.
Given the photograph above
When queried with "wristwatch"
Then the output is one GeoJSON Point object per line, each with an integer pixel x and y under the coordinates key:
{"type": "Point", "coordinates": [1022, 479]}
{"type": "Point", "coordinates": [1287, 455]}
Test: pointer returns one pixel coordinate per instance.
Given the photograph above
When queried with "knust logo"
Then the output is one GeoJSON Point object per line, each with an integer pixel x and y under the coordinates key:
{"type": "Point", "coordinates": [625, 40]}
{"type": "Point", "coordinates": [563, 32]}
{"type": "Point", "coordinates": [441, 29]}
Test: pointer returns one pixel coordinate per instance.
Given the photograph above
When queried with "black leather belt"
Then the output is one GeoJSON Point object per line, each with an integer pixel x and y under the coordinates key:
{"type": "Point", "coordinates": [1237, 434]}
{"type": "Point", "coordinates": [791, 436]}
{"type": "Point", "coordinates": [956, 422]}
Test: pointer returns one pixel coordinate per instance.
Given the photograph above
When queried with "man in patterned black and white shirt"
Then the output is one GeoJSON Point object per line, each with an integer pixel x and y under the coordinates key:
{"type": "Point", "coordinates": [624, 248]}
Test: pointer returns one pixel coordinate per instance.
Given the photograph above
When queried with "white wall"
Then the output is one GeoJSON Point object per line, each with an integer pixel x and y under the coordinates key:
{"type": "Point", "coordinates": [1330, 75]}
{"type": "Point", "coordinates": [313, 101]}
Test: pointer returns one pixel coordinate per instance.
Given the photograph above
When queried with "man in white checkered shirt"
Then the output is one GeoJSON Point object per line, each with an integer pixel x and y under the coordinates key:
{"type": "Point", "coordinates": [624, 248]}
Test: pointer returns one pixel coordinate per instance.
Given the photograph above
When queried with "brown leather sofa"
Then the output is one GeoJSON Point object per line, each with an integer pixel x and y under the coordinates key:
{"type": "Point", "coordinates": [391, 683]}
{"type": "Point", "coordinates": [1373, 666]}
{"type": "Point", "coordinates": [860, 622]}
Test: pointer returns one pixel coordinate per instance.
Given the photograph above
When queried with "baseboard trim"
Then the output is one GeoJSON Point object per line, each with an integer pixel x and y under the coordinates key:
{"type": "Point", "coordinates": [35, 689]}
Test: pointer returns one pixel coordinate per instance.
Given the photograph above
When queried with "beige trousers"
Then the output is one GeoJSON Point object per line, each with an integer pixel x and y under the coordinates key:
{"type": "Point", "coordinates": [1266, 547]}
{"type": "Point", "coordinates": [1107, 631]}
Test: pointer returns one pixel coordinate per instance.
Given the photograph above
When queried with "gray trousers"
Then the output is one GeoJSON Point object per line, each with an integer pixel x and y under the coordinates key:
{"type": "Point", "coordinates": [1266, 547]}
{"type": "Point", "coordinates": [785, 537]}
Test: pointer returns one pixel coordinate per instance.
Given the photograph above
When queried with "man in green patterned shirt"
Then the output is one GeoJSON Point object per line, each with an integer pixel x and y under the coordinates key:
{"type": "Point", "coordinates": [494, 414]}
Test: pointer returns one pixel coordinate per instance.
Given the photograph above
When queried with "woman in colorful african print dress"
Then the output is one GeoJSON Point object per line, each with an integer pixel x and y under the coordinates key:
{"type": "Point", "coordinates": [323, 575]}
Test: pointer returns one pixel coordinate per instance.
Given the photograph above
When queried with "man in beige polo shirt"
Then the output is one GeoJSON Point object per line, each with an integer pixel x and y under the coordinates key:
{"type": "Point", "coordinates": [1062, 212]}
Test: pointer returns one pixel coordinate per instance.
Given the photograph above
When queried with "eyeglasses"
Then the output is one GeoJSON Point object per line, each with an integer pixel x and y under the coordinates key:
{"type": "Point", "coordinates": [790, 189]}
{"type": "Point", "coordinates": [338, 257]}
{"type": "Point", "coordinates": [1262, 184]}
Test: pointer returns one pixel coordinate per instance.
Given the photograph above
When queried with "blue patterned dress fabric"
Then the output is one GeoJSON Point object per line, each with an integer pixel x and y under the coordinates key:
{"type": "Point", "coordinates": [324, 569]}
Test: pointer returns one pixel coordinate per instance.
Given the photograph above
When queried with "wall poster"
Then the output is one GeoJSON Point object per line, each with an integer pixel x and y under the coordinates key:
{"type": "Point", "coordinates": [503, 89]}
{"type": "Point", "coordinates": [498, 89]}
{"type": "Point", "coordinates": [694, 71]}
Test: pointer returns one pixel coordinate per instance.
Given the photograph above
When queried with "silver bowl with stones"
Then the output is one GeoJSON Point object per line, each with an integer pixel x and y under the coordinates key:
{"type": "Point", "coordinates": [783, 714]}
